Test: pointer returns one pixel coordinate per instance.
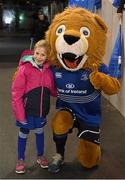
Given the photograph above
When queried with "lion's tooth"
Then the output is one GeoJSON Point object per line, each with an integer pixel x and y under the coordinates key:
{"type": "Point", "coordinates": [77, 56]}
{"type": "Point", "coordinates": [60, 56]}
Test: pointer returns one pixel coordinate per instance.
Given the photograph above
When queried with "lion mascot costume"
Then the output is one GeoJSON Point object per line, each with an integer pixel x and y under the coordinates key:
{"type": "Point", "coordinates": [76, 41]}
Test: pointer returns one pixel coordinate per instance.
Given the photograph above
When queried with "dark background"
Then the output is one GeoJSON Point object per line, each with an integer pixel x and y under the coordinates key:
{"type": "Point", "coordinates": [16, 15]}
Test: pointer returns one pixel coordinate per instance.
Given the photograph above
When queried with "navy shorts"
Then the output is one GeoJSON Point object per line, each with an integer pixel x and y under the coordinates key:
{"type": "Point", "coordinates": [85, 131]}
{"type": "Point", "coordinates": [32, 122]}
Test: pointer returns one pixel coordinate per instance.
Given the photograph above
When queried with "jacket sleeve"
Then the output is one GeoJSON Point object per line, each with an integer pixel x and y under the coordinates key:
{"type": "Point", "coordinates": [53, 89]}
{"type": "Point", "coordinates": [18, 89]}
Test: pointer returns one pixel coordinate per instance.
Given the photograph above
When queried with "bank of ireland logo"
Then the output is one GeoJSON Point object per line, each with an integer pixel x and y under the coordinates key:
{"type": "Point", "coordinates": [70, 86]}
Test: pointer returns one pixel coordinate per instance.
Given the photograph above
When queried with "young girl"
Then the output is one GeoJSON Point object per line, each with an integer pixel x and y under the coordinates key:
{"type": "Point", "coordinates": [31, 89]}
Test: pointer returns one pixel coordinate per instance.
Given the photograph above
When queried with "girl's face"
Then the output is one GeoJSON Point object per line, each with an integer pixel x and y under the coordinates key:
{"type": "Point", "coordinates": [40, 55]}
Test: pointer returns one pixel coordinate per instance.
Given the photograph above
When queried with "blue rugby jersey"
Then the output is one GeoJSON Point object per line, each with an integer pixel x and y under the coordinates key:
{"type": "Point", "coordinates": [77, 93]}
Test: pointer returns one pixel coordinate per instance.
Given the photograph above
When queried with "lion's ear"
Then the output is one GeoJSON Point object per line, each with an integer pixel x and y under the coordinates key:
{"type": "Point", "coordinates": [47, 36]}
{"type": "Point", "coordinates": [101, 23]}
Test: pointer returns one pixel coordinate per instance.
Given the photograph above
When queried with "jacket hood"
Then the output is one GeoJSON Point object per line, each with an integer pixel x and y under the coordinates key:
{"type": "Point", "coordinates": [29, 59]}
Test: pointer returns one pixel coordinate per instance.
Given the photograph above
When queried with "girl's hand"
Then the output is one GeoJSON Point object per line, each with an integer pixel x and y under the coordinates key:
{"type": "Point", "coordinates": [24, 123]}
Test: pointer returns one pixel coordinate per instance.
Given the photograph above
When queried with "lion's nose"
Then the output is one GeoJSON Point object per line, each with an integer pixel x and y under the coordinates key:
{"type": "Point", "coordinates": [70, 39]}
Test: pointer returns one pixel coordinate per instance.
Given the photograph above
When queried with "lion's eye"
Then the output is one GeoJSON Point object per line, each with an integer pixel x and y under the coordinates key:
{"type": "Point", "coordinates": [60, 30]}
{"type": "Point", "coordinates": [85, 31]}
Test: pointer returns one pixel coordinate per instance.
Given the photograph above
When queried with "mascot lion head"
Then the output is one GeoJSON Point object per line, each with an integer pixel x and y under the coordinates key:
{"type": "Point", "coordinates": [76, 39]}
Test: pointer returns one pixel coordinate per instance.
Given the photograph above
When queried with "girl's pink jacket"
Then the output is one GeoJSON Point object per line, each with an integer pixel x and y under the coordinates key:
{"type": "Point", "coordinates": [31, 89]}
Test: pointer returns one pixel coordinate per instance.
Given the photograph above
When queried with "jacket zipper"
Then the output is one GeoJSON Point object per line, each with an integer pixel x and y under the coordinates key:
{"type": "Point", "coordinates": [41, 98]}
{"type": "Point", "coordinates": [25, 101]}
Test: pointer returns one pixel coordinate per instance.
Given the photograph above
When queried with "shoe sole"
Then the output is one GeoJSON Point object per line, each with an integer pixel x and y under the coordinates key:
{"type": "Point", "coordinates": [44, 167]}
{"type": "Point", "coordinates": [57, 169]}
{"type": "Point", "coordinates": [20, 172]}
{"type": "Point", "coordinates": [54, 171]}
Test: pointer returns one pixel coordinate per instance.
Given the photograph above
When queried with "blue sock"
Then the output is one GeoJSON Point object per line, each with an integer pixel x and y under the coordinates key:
{"type": "Point", "coordinates": [39, 141]}
{"type": "Point", "coordinates": [22, 139]}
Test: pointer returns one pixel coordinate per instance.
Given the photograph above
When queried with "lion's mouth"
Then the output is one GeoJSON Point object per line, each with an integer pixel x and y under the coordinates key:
{"type": "Point", "coordinates": [71, 60]}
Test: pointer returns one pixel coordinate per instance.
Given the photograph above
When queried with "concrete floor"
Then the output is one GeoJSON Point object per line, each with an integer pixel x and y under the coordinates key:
{"type": "Point", "coordinates": [112, 142]}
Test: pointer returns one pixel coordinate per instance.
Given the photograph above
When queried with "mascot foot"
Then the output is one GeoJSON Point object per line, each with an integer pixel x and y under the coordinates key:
{"type": "Point", "coordinates": [55, 165]}
{"type": "Point", "coordinates": [89, 154]}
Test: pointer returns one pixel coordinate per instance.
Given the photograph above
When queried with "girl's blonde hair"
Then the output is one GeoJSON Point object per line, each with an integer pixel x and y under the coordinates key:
{"type": "Point", "coordinates": [41, 43]}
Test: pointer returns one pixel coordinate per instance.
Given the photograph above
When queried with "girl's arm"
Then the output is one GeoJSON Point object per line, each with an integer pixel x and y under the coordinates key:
{"type": "Point", "coordinates": [18, 89]}
{"type": "Point", "coordinates": [53, 88]}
